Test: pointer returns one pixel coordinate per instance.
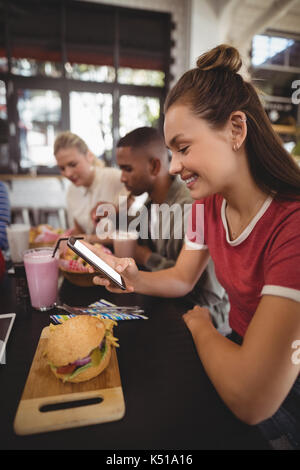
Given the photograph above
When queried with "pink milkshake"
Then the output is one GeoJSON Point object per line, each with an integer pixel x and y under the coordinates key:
{"type": "Point", "coordinates": [42, 277]}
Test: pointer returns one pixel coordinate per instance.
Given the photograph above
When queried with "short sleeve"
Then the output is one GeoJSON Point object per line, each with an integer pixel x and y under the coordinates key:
{"type": "Point", "coordinates": [282, 263]}
{"type": "Point", "coordinates": [195, 235]}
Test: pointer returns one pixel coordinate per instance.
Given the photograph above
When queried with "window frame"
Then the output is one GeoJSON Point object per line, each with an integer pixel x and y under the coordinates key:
{"type": "Point", "coordinates": [65, 85]}
{"type": "Point", "coordinates": [259, 73]}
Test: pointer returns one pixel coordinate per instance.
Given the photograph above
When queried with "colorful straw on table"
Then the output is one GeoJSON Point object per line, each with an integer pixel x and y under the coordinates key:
{"type": "Point", "coordinates": [94, 308]}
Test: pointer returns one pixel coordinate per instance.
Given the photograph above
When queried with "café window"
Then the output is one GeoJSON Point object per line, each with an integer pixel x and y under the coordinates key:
{"type": "Point", "coordinates": [32, 67]}
{"type": "Point", "coordinates": [3, 64]}
{"type": "Point", "coordinates": [270, 49]}
{"type": "Point", "coordinates": [93, 73]}
{"type": "Point", "coordinates": [4, 151]}
{"type": "Point", "coordinates": [138, 111]}
{"type": "Point", "coordinates": [3, 106]}
{"type": "Point", "coordinates": [98, 70]}
{"type": "Point", "coordinates": [141, 77]}
{"type": "Point", "coordinates": [91, 118]}
{"type": "Point", "coordinates": [39, 119]}
{"type": "Point", "coordinates": [275, 69]}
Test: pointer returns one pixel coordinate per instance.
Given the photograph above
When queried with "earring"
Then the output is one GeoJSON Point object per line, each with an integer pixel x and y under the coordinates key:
{"type": "Point", "coordinates": [235, 147]}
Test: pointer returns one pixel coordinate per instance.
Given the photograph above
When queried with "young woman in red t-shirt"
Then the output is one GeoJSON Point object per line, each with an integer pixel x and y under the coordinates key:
{"type": "Point", "coordinates": [225, 149]}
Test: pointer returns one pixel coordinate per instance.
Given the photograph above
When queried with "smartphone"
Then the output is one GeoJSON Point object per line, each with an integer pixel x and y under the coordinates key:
{"type": "Point", "coordinates": [85, 253]}
{"type": "Point", "coordinates": [6, 323]}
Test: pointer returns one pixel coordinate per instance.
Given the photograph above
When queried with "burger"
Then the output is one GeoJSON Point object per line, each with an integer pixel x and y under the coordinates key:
{"type": "Point", "coordinates": [79, 349]}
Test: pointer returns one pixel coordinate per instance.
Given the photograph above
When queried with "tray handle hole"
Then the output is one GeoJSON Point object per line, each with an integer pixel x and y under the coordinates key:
{"type": "Point", "coordinates": [70, 404]}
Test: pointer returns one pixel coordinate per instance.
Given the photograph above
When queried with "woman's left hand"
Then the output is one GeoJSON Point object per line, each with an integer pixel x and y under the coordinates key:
{"type": "Point", "coordinates": [197, 316]}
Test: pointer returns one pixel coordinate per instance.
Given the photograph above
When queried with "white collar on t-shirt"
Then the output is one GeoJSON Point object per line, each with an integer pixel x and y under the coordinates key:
{"type": "Point", "coordinates": [246, 232]}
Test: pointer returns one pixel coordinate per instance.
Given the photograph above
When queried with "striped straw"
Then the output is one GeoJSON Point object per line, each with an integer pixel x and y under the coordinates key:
{"type": "Point", "coordinates": [116, 316]}
{"type": "Point", "coordinates": [111, 316]}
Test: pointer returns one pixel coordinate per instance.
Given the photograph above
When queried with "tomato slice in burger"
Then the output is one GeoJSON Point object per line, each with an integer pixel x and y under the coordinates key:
{"type": "Point", "coordinates": [66, 369]}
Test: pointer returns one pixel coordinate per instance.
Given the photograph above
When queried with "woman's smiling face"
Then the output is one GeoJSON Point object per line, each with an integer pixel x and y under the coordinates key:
{"type": "Point", "coordinates": [201, 155]}
{"type": "Point", "coordinates": [75, 165]}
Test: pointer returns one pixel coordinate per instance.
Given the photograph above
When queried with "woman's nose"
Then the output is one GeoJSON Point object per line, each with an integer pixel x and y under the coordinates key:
{"type": "Point", "coordinates": [175, 165]}
{"type": "Point", "coordinates": [67, 172]}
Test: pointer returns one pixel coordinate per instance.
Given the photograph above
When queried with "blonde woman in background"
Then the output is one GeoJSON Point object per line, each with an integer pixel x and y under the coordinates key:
{"type": "Point", "coordinates": [91, 182]}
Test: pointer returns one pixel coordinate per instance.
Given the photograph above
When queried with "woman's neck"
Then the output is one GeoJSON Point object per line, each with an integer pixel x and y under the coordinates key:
{"type": "Point", "coordinates": [244, 199]}
{"type": "Point", "coordinates": [243, 196]}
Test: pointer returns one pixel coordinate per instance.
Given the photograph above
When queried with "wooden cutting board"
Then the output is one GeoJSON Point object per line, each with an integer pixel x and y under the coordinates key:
{"type": "Point", "coordinates": [48, 404]}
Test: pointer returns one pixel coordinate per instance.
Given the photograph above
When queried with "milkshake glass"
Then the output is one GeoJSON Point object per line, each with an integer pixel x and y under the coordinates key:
{"type": "Point", "coordinates": [42, 277]}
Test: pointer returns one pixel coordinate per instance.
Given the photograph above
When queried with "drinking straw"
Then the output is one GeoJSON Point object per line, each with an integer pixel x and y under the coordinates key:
{"type": "Point", "coordinates": [61, 239]}
{"type": "Point", "coordinates": [103, 316]}
{"type": "Point", "coordinates": [116, 316]}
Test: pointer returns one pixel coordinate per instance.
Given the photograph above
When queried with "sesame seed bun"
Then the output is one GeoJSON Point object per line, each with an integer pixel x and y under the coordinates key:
{"type": "Point", "coordinates": [74, 339]}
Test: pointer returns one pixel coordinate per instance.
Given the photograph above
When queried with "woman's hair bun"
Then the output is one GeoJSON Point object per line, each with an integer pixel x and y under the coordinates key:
{"type": "Point", "coordinates": [221, 57]}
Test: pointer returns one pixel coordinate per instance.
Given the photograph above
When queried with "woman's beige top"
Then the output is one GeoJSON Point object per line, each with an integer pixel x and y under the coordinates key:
{"type": "Point", "coordinates": [106, 187]}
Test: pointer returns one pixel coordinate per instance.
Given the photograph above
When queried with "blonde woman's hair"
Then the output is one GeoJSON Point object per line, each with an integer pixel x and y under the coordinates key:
{"type": "Point", "coordinates": [67, 139]}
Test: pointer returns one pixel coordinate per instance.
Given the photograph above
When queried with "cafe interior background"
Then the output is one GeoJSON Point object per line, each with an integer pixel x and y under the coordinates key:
{"type": "Point", "coordinates": [101, 69]}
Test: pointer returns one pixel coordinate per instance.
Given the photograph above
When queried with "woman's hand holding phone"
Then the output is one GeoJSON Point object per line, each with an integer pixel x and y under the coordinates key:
{"type": "Point", "coordinates": [126, 267]}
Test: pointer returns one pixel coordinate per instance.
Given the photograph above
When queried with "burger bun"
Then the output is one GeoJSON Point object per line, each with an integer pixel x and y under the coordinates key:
{"type": "Point", "coordinates": [73, 340]}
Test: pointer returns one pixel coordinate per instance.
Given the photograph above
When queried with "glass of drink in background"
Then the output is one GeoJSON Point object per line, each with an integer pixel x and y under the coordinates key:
{"type": "Point", "coordinates": [18, 241]}
{"type": "Point", "coordinates": [124, 243]}
{"type": "Point", "coordinates": [42, 277]}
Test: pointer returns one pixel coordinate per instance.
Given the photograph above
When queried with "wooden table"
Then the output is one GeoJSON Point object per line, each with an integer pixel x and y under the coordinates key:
{"type": "Point", "coordinates": [170, 402]}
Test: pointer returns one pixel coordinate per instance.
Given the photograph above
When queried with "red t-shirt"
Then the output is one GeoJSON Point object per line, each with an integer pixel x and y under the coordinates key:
{"type": "Point", "coordinates": [264, 259]}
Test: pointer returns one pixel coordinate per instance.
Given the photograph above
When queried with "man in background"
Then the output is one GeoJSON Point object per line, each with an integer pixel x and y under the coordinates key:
{"type": "Point", "coordinates": [144, 163]}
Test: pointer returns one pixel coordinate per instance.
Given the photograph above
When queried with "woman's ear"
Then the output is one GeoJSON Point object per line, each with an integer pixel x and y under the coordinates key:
{"type": "Point", "coordinates": [238, 129]}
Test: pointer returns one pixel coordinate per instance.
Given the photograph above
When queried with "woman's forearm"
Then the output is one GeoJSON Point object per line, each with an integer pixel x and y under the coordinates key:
{"type": "Point", "coordinates": [172, 282]}
{"type": "Point", "coordinates": [164, 283]}
{"type": "Point", "coordinates": [221, 359]}
{"type": "Point", "coordinates": [176, 281]}
{"type": "Point", "coordinates": [252, 379]}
